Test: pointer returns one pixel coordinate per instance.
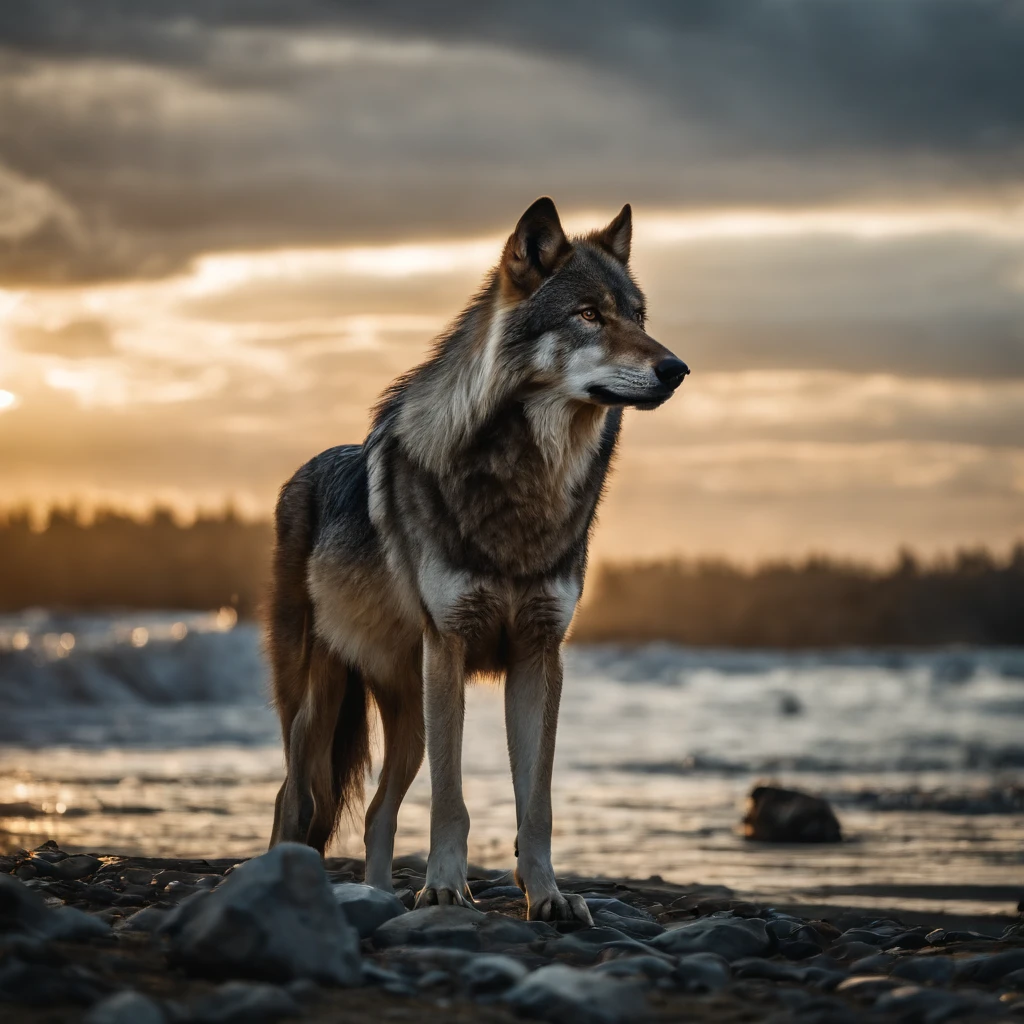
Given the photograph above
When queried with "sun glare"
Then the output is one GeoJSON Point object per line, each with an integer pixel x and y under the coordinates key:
{"type": "Point", "coordinates": [8, 400]}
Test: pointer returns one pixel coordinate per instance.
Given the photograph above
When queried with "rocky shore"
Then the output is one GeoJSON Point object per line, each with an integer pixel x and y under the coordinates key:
{"type": "Point", "coordinates": [128, 940]}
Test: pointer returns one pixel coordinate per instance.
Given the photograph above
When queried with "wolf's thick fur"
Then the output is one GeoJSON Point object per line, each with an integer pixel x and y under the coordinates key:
{"type": "Point", "coordinates": [453, 542]}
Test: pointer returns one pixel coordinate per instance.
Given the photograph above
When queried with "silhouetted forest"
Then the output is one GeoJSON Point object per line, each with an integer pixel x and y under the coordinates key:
{"type": "Point", "coordinates": [116, 561]}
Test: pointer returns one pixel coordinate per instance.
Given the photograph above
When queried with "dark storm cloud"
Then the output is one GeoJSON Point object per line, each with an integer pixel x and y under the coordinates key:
{"type": "Point", "coordinates": [161, 129]}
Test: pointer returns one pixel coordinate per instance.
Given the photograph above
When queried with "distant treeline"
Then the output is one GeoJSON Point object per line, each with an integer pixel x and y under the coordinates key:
{"type": "Point", "coordinates": [114, 561]}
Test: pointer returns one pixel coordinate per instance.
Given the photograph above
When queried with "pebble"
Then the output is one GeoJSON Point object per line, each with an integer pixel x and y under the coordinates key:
{"type": "Point", "coordinates": [877, 963]}
{"type": "Point", "coordinates": [768, 970]}
{"type": "Point", "coordinates": [366, 908]}
{"type": "Point", "coordinates": [646, 966]}
{"type": "Point", "coordinates": [559, 993]}
{"type": "Point", "coordinates": [275, 918]}
{"type": "Point", "coordinates": [128, 1007]}
{"type": "Point", "coordinates": [731, 938]}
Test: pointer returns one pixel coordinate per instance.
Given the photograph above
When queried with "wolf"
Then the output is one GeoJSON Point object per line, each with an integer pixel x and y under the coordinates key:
{"type": "Point", "coordinates": [452, 543]}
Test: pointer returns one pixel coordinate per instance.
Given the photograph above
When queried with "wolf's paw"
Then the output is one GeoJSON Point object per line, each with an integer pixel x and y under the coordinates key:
{"type": "Point", "coordinates": [440, 896]}
{"type": "Point", "coordinates": [560, 907]}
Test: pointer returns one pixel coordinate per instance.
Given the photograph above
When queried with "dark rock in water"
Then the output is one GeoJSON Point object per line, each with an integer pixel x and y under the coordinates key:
{"type": "Point", "coordinates": [491, 973]}
{"type": "Point", "coordinates": [777, 815]}
{"type": "Point", "coordinates": [23, 911]}
{"type": "Point", "coordinates": [274, 917]}
{"type": "Point", "coordinates": [730, 937]}
{"type": "Point", "coordinates": [558, 993]}
{"type": "Point", "coordinates": [366, 908]}
{"type": "Point", "coordinates": [789, 705]}
{"type": "Point", "coordinates": [126, 1008]}
{"type": "Point", "coordinates": [241, 1002]}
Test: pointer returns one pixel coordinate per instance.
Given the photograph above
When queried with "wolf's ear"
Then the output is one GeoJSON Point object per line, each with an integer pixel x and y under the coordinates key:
{"type": "Point", "coordinates": [616, 238]}
{"type": "Point", "coordinates": [536, 247]}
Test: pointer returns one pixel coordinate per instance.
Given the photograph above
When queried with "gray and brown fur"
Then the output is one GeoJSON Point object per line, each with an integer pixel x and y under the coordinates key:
{"type": "Point", "coordinates": [453, 543]}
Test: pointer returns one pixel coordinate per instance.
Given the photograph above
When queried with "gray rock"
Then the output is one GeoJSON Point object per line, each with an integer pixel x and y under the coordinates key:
{"type": "Point", "coordinates": [366, 908]}
{"type": "Point", "coordinates": [924, 970]}
{"type": "Point", "coordinates": [25, 912]}
{"type": "Point", "coordinates": [275, 918]}
{"type": "Point", "coordinates": [852, 950]}
{"type": "Point", "coordinates": [491, 973]}
{"type": "Point", "coordinates": [243, 1002]}
{"type": "Point", "coordinates": [128, 1007]}
{"type": "Point", "coordinates": [498, 932]}
{"type": "Point", "coordinates": [454, 927]}
{"type": "Point", "coordinates": [730, 937]}
{"type": "Point", "coordinates": [702, 972]}
{"type": "Point", "coordinates": [1014, 981]}
{"type": "Point", "coordinates": [559, 993]}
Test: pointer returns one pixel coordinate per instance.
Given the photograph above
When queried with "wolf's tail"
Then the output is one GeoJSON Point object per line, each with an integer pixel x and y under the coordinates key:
{"type": "Point", "coordinates": [321, 701]}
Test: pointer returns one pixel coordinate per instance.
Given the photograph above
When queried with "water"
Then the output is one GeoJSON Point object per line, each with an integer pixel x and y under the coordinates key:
{"type": "Point", "coordinates": [151, 734]}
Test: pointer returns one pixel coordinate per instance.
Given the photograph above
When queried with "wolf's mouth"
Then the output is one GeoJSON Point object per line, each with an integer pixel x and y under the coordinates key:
{"type": "Point", "coordinates": [647, 400]}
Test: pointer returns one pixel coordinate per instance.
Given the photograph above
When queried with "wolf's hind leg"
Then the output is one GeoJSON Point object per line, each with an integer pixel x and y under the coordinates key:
{"type": "Point", "coordinates": [401, 712]}
{"type": "Point", "coordinates": [444, 707]}
{"type": "Point", "coordinates": [533, 691]}
{"type": "Point", "coordinates": [308, 801]}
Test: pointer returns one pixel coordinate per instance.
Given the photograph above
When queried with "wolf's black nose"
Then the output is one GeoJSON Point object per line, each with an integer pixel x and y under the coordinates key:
{"type": "Point", "coordinates": [671, 371]}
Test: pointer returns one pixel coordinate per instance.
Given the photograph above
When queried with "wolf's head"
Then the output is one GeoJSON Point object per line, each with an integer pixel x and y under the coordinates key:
{"type": "Point", "coordinates": [576, 316]}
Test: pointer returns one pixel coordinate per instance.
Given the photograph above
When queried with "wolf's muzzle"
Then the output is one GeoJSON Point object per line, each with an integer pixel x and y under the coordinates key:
{"type": "Point", "coordinates": [671, 371]}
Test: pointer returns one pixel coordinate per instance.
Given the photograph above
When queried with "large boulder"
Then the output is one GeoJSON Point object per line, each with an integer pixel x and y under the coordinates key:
{"type": "Point", "coordinates": [274, 918]}
{"type": "Point", "coordinates": [776, 815]}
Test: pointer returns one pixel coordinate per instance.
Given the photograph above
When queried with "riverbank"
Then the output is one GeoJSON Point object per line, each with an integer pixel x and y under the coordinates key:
{"type": "Point", "coordinates": [657, 950]}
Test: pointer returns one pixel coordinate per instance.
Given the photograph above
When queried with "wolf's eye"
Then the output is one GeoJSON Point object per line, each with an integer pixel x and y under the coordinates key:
{"type": "Point", "coordinates": [589, 314]}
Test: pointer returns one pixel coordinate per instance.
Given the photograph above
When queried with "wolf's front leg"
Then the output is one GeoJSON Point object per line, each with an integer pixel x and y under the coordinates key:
{"type": "Point", "coordinates": [533, 691]}
{"type": "Point", "coordinates": [444, 705]}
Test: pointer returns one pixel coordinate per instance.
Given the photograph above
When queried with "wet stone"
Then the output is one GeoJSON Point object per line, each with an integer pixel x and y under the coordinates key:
{"type": "Point", "coordinates": [730, 938]}
{"type": "Point", "coordinates": [126, 1007]}
{"type": "Point", "coordinates": [559, 993]}
{"type": "Point", "coordinates": [366, 908]}
{"type": "Point", "coordinates": [67, 868]}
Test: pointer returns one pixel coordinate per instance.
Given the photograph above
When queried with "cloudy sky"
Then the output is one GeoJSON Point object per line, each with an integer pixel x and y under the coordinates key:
{"type": "Point", "coordinates": [225, 227]}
